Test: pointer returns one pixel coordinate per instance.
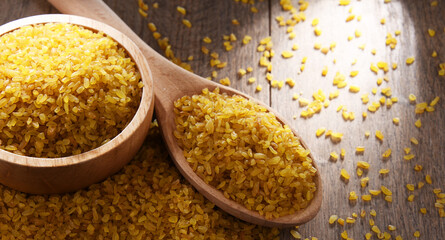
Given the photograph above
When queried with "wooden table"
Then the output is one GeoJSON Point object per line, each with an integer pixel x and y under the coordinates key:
{"type": "Point", "coordinates": [366, 46]}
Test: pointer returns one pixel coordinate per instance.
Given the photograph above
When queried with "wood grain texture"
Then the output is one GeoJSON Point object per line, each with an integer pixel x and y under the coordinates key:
{"type": "Point", "coordinates": [413, 18]}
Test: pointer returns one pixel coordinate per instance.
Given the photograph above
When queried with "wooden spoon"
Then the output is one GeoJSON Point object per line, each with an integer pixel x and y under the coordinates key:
{"type": "Point", "coordinates": [170, 83]}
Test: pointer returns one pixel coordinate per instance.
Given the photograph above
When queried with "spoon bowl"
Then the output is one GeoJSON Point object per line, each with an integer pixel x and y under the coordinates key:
{"type": "Point", "coordinates": [171, 83]}
{"type": "Point", "coordinates": [66, 174]}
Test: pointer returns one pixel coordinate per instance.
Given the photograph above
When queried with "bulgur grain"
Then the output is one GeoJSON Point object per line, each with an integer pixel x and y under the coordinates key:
{"type": "Point", "coordinates": [231, 140]}
{"type": "Point", "coordinates": [147, 199]}
{"type": "Point", "coordinates": [69, 90]}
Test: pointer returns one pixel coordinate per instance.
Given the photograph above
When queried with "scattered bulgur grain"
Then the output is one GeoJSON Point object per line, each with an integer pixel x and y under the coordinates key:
{"type": "Point", "coordinates": [324, 71]}
{"type": "Point", "coordinates": [434, 101]}
{"type": "Point", "coordinates": [344, 2]}
{"type": "Point", "coordinates": [207, 40]}
{"type": "Point", "coordinates": [359, 150]}
{"type": "Point", "coordinates": [387, 153]}
{"type": "Point", "coordinates": [317, 46]}
{"type": "Point", "coordinates": [386, 191]}
{"type": "Point", "coordinates": [418, 123]}
{"type": "Point", "coordinates": [332, 219]}
{"type": "Point", "coordinates": [428, 179]}
{"type": "Point", "coordinates": [359, 172]}
{"type": "Point", "coordinates": [225, 81]}
{"type": "Point", "coordinates": [142, 13]}
{"type": "Point", "coordinates": [350, 17]}
{"type": "Point", "coordinates": [241, 72]}
{"type": "Point", "coordinates": [287, 54]}
{"type": "Point", "coordinates": [363, 165]}
{"type": "Point", "coordinates": [375, 229]}
{"type": "Point", "coordinates": [315, 22]}
{"type": "Point", "coordinates": [320, 131]}
{"type": "Point", "coordinates": [152, 27]}
{"type": "Point", "coordinates": [418, 168]}
{"type": "Point", "coordinates": [368, 236]}
{"type": "Point", "coordinates": [412, 98]}
{"type": "Point", "coordinates": [416, 234]}
{"type": "Point", "coordinates": [366, 198]}
{"type": "Point", "coordinates": [431, 32]}
{"type": "Point", "coordinates": [374, 68]}
{"type": "Point", "coordinates": [344, 174]}
{"type": "Point", "coordinates": [379, 135]}
{"type": "Point", "coordinates": [187, 23]}
{"type": "Point", "coordinates": [375, 192]}
{"type": "Point", "coordinates": [410, 60]}
{"type": "Point", "coordinates": [407, 150]}
{"type": "Point", "coordinates": [336, 137]}
{"type": "Point", "coordinates": [181, 10]}
{"type": "Point", "coordinates": [408, 157]}
{"type": "Point", "coordinates": [354, 89]}
{"type": "Point", "coordinates": [364, 182]}
{"type": "Point", "coordinates": [352, 197]}
{"type": "Point", "coordinates": [246, 39]}
{"type": "Point", "coordinates": [367, 134]}
{"type": "Point", "coordinates": [324, 50]}
{"type": "Point", "coordinates": [295, 234]}
{"type": "Point", "coordinates": [384, 171]}
{"type": "Point", "coordinates": [344, 235]}
{"type": "Point", "coordinates": [350, 220]}
{"type": "Point", "coordinates": [342, 153]}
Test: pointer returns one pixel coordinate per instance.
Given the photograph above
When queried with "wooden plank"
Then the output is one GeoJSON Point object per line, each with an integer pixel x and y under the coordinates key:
{"type": "Point", "coordinates": [412, 18]}
{"type": "Point", "coordinates": [187, 42]}
{"type": "Point", "coordinates": [12, 10]}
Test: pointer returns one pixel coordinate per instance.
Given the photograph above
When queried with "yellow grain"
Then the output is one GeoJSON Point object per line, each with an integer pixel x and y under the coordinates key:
{"type": "Point", "coordinates": [63, 110]}
{"type": "Point", "coordinates": [332, 219]}
{"type": "Point", "coordinates": [410, 60]}
{"type": "Point", "coordinates": [258, 133]}
{"type": "Point", "coordinates": [187, 23]}
{"type": "Point", "coordinates": [431, 32]}
{"type": "Point", "coordinates": [344, 174]}
{"type": "Point", "coordinates": [363, 165]}
{"type": "Point", "coordinates": [364, 182]}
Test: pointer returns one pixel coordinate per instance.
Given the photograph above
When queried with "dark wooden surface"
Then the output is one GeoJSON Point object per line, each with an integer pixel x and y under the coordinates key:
{"type": "Point", "coordinates": [413, 18]}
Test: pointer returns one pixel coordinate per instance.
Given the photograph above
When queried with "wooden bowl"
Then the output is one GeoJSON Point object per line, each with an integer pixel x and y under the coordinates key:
{"type": "Point", "coordinates": [65, 174]}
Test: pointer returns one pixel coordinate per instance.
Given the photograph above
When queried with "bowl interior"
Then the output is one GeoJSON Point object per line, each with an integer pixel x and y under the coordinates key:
{"type": "Point", "coordinates": [132, 135]}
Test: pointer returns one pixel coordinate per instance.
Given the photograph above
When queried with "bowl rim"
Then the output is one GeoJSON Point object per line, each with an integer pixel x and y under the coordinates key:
{"type": "Point", "coordinates": [142, 112]}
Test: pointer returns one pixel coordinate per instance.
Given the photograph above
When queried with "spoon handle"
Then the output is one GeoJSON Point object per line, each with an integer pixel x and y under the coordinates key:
{"type": "Point", "coordinates": [170, 80]}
